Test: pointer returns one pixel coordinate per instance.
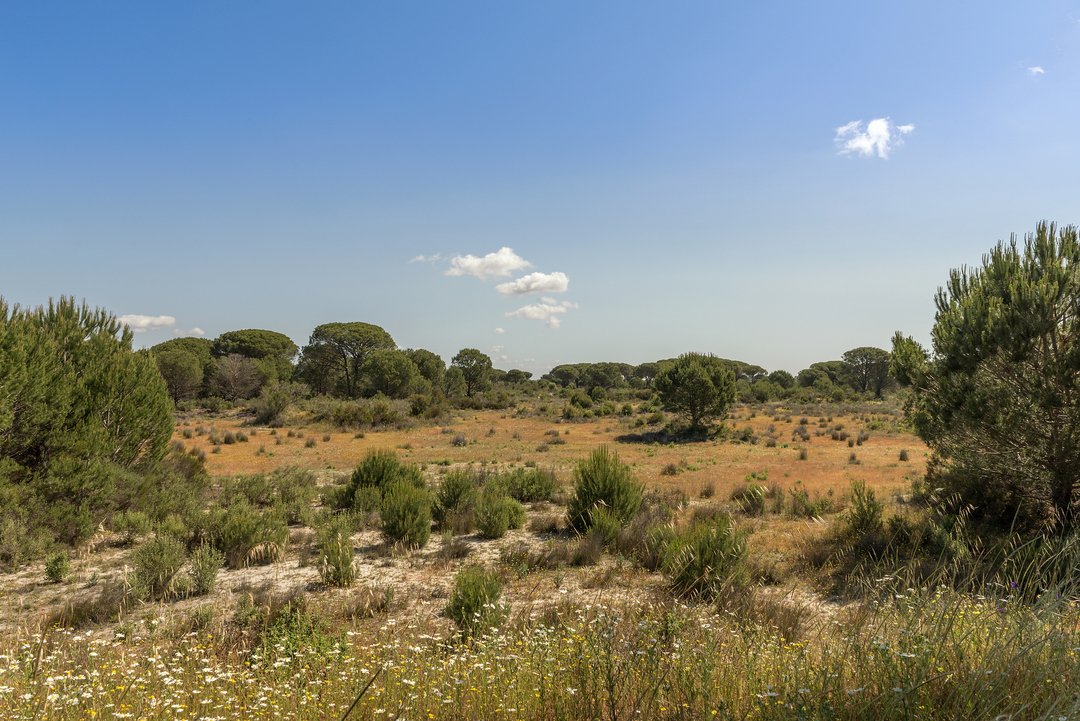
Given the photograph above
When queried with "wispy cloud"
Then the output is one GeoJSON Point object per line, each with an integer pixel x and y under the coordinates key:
{"type": "Point", "coordinates": [190, 333]}
{"type": "Point", "coordinates": [426, 258]}
{"type": "Point", "coordinates": [547, 310]}
{"type": "Point", "coordinates": [1036, 70]}
{"type": "Point", "coordinates": [500, 331]}
{"type": "Point", "coordinates": [879, 137]}
{"type": "Point", "coordinates": [499, 264]}
{"type": "Point", "coordinates": [142, 323]}
{"type": "Point", "coordinates": [535, 283]}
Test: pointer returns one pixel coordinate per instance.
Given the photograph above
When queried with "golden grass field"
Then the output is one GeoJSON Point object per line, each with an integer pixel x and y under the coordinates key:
{"type": "Point", "coordinates": [496, 437]}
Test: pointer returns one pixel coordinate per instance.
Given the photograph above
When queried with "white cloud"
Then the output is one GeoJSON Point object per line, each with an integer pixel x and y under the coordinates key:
{"type": "Point", "coordinates": [1036, 70]}
{"type": "Point", "coordinates": [501, 263]}
{"type": "Point", "coordinates": [879, 138]}
{"type": "Point", "coordinates": [142, 323]}
{"type": "Point", "coordinates": [535, 283]}
{"type": "Point", "coordinates": [547, 310]}
{"type": "Point", "coordinates": [192, 333]}
{"type": "Point", "coordinates": [500, 331]}
{"type": "Point", "coordinates": [426, 258]}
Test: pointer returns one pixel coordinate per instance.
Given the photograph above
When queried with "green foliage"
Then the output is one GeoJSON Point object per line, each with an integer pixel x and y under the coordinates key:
{"type": "Point", "coordinates": [274, 400]}
{"type": "Point", "coordinates": [474, 602]}
{"type": "Point", "coordinates": [378, 471]}
{"type": "Point", "coordinates": [864, 515]}
{"type": "Point", "coordinates": [406, 514]}
{"type": "Point", "coordinates": [182, 372]}
{"type": "Point", "coordinates": [996, 398]}
{"type": "Point", "coordinates": [868, 369]}
{"type": "Point", "coordinates": [455, 502]}
{"type": "Point", "coordinates": [246, 535]}
{"type": "Point", "coordinates": [389, 372]}
{"type": "Point", "coordinates": [289, 491]}
{"type": "Point", "coordinates": [157, 564]}
{"type": "Point", "coordinates": [497, 512]}
{"type": "Point", "coordinates": [706, 559]}
{"type": "Point", "coordinates": [272, 352]}
{"type": "Point", "coordinates": [336, 555]}
{"type": "Point", "coordinates": [330, 362]}
{"type": "Point", "coordinates": [131, 526]}
{"type": "Point", "coordinates": [699, 387]}
{"type": "Point", "coordinates": [530, 485]}
{"type": "Point", "coordinates": [602, 480]}
{"type": "Point", "coordinates": [57, 567]}
{"type": "Point", "coordinates": [475, 367]}
{"type": "Point", "coordinates": [81, 417]}
{"type": "Point", "coordinates": [431, 367]}
{"type": "Point", "coordinates": [205, 562]}
{"type": "Point", "coordinates": [374, 412]}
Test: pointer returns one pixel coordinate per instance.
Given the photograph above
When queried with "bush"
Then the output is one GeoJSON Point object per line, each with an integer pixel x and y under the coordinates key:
{"type": "Point", "coordinates": [496, 512]}
{"type": "Point", "coordinates": [455, 502]}
{"type": "Point", "coordinates": [406, 514]}
{"type": "Point", "coordinates": [602, 480]}
{"type": "Point", "coordinates": [379, 470]}
{"type": "Point", "coordinates": [865, 513]}
{"type": "Point", "coordinates": [157, 564]}
{"type": "Point", "coordinates": [706, 559]}
{"type": "Point", "coordinates": [205, 562]}
{"type": "Point", "coordinates": [336, 555]}
{"type": "Point", "coordinates": [245, 535]}
{"type": "Point", "coordinates": [57, 567]}
{"type": "Point", "coordinates": [530, 485]}
{"type": "Point", "coordinates": [131, 526]}
{"type": "Point", "coordinates": [474, 603]}
{"type": "Point", "coordinates": [750, 498]}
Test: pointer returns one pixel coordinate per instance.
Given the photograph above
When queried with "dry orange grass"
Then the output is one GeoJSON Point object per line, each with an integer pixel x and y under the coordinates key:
{"type": "Point", "coordinates": [496, 437]}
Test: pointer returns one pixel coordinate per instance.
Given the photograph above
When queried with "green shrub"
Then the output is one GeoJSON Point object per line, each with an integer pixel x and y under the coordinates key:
{"type": "Point", "coordinates": [246, 535]}
{"type": "Point", "coordinates": [474, 603]}
{"type": "Point", "coordinates": [706, 559]}
{"type": "Point", "coordinates": [205, 562]}
{"type": "Point", "coordinates": [406, 514]}
{"type": "Point", "coordinates": [496, 512]}
{"type": "Point", "coordinates": [750, 498]}
{"type": "Point", "coordinates": [530, 485]}
{"type": "Point", "coordinates": [131, 526]}
{"type": "Point", "coordinates": [336, 554]}
{"type": "Point", "coordinates": [57, 567]}
{"type": "Point", "coordinates": [379, 470]}
{"type": "Point", "coordinates": [157, 564]}
{"type": "Point", "coordinates": [602, 480]}
{"type": "Point", "coordinates": [455, 501]}
{"type": "Point", "coordinates": [865, 513]}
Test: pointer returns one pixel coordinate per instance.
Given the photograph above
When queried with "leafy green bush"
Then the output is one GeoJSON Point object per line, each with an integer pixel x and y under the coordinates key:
{"type": "Point", "coordinates": [131, 526]}
{"type": "Point", "coordinates": [379, 470]}
{"type": "Point", "coordinates": [157, 564]}
{"type": "Point", "coordinates": [496, 512]}
{"type": "Point", "coordinates": [336, 554]}
{"type": "Point", "coordinates": [406, 514]}
{"type": "Point", "coordinates": [530, 485]}
{"type": "Point", "coordinates": [205, 562]}
{"type": "Point", "coordinates": [474, 603]}
{"type": "Point", "coordinates": [246, 535]}
{"type": "Point", "coordinates": [455, 502]}
{"type": "Point", "coordinates": [706, 559]}
{"type": "Point", "coordinates": [602, 480]}
{"type": "Point", "coordinates": [57, 567]}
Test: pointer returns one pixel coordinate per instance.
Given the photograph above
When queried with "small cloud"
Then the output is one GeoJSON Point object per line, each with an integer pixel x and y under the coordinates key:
{"type": "Point", "coordinates": [142, 323]}
{"type": "Point", "coordinates": [547, 310]}
{"type": "Point", "coordinates": [426, 258]}
{"type": "Point", "coordinates": [1036, 70]}
{"type": "Point", "coordinates": [879, 138]}
{"type": "Point", "coordinates": [500, 331]}
{"type": "Point", "coordinates": [535, 283]}
{"type": "Point", "coordinates": [501, 263]}
{"type": "Point", "coordinates": [192, 333]}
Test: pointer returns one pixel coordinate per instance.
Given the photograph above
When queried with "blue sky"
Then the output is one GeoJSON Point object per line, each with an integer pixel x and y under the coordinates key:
{"type": "Point", "coordinates": [682, 165]}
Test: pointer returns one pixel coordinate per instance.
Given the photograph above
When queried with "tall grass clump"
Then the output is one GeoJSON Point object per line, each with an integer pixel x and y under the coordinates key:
{"type": "Point", "coordinates": [157, 565]}
{"type": "Point", "coordinates": [405, 513]}
{"type": "Point", "coordinates": [474, 602]}
{"type": "Point", "coordinates": [337, 564]}
{"type": "Point", "coordinates": [706, 559]}
{"type": "Point", "coordinates": [455, 502]}
{"type": "Point", "coordinates": [602, 480]}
